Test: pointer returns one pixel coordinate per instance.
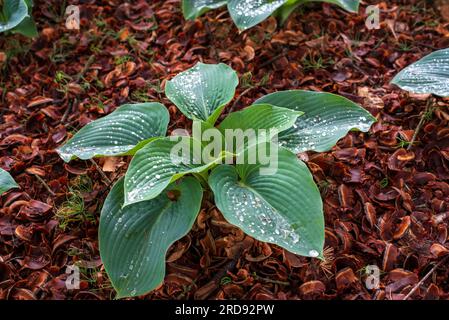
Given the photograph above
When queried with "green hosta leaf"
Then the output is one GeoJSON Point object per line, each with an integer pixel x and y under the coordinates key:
{"type": "Point", "coordinates": [284, 208]}
{"type": "Point", "coordinates": [256, 117]}
{"type": "Point", "coordinates": [192, 9]}
{"type": "Point", "coordinates": [261, 116]}
{"type": "Point", "coordinates": [159, 163]}
{"type": "Point", "coordinates": [27, 27]}
{"type": "Point", "coordinates": [327, 118]}
{"type": "Point", "coordinates": [428, 75]}
{"type": "Point", "coordinates": [134, 240]}
{"type": "Point", "coordinates": [122, 132]}
{"type": "Point", "coordinates": [203, 91]}
{"type": "Point", "coordinates": [14, 11]}
{"type": "Point", "coordinates": [248, 13]}
{"type": "Point", "coordinates": [286, 10]}
{"type": "Point", "coordinates": [6, 181]}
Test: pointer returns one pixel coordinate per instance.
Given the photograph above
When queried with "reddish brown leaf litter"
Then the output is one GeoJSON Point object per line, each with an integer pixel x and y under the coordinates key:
{"type": "Point", "coordinates": [386, 201]}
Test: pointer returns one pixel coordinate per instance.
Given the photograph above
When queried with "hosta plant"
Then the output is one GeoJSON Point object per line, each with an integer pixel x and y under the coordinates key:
{"type": "Point", "coordinates": [6, 181]}
{"type": "Point", "coordinates": [15, 16]}
{"type": "Point", "coordinates": [159, 197]}
{"type": "Point", "coordinates": [248, 13]}
{"type": "Point", "coordinates": [429, 75]}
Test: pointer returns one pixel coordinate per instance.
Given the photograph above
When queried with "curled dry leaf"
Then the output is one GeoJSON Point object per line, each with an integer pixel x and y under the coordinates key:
{"type": "Point", "coordinates": [438, 250]}
{"type": "Point", "coordinates": [312, 289]}
{"type": "Point", "coordinates": [345, 278]}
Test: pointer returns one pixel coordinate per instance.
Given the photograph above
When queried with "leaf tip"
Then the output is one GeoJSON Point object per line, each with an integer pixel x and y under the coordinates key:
{"type": "Point", "coordinates": [395, 79]}
{"type": "Point", "coordinates": [66, 157]}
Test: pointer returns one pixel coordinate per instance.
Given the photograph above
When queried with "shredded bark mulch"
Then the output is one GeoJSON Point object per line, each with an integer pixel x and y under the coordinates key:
{"type": "Point", "coordinates": [385, 192]}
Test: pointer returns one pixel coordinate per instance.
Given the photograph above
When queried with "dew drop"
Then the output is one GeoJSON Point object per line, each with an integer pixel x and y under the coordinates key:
{"type": "Point", "coordinates": [314, 253]}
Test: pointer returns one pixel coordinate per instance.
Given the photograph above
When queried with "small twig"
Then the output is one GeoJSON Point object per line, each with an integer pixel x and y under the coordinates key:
{"type": "Point", "coordinates": [270, 61]}
{"type": "Point", "coordinates": [45, 185]}
{"type": "Point", "coordinates": [80, 75]}
{"type": "Point", "coordinates": [230, 265]}
{"type": "Point", "coordinates": [420, 125]}
{"type": "Point", "coordinates": [425, 278]}
{"type": "Point", "coordinates": [67, 111]}
{"type": "Point", "coordinates": [234, 105]}
{"type": "Point", "coordinates": [282, 283]}
{"type": "Point", "coordinates": [427, 45]}
{"type": "Point", "coordinates": [100, 171]}
{"type": "Point", "coordinates": [360, 70]}
{"type": "Point", "coordinates": [89, 62]}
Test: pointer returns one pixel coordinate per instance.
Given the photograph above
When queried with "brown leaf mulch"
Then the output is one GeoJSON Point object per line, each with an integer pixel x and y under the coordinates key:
{"type": "Point", "coordinates": [386, 200]}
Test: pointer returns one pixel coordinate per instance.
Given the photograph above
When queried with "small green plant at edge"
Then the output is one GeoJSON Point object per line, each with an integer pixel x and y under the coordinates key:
{"type": "Point", "coordinates": [15, 17]}
{"type": "Point", "coordinates": [158, 199]}
{"type": "Point", "coordinates": [6, 181]}
{"type": "Point", "coordinates": [429, 75]}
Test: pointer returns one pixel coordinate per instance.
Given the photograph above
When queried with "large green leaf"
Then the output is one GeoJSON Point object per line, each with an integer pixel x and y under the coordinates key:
{"type": "Point", "coordinates": [27, 27]}
{"type": "Point", "coordinates": [283, 208]}
{"type": "Point", "coordinates": [327, 118]}
{"type": "Point", "coordinates": [192, 9]}
{"type": "Point", "coordinates": [261, 116]}
{"type": "Point", "coordinates": [122, 132]}
{"type": "Point", "coordinates": [134, 240]}
{"type": "Point", "coordinates": [6, 181]}
{"type": "Point", "coordinates": [14, 11]}
{"type": "Point", "coordinates": [203, 91]}
{"type": "Point", "coordinates": [428, 75]}
{"type": "Point", "coordinates": [161, 162]}
{"type": "Point", "coordinates": [248, 13]}
{"type": "Point", "coordinates": [258, 119]}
